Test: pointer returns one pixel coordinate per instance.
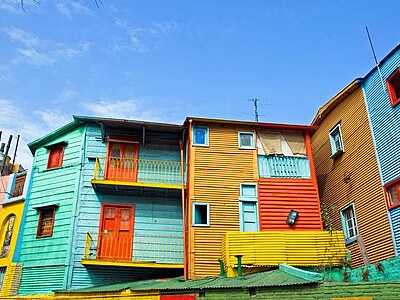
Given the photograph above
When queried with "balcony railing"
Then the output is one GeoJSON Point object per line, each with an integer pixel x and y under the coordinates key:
{"type": "Point", "coordinates": [138, 170]}
{"type": "Point", "coordinates": [19, 185]}
{"type": "Point", "coordinates": [271, 248]}
{"type": "Point", "coordinates": [138, 247]}
{"type": "Point", "coordinates": [277, 166]}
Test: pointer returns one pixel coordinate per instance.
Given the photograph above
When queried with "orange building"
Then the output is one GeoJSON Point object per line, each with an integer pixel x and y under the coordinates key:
{"type": "Point", "coordinates": [251, 178]}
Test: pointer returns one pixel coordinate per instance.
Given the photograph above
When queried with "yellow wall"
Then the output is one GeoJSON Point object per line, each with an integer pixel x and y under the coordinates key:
{"type": "Point", "coordinates": [8, 209]}
{"type": "Point", "coordinates": [146, 295]}
{"type": "Point", "coordinates": [364, 187]}
{"type": "Point", "coordinates": [215, 174]}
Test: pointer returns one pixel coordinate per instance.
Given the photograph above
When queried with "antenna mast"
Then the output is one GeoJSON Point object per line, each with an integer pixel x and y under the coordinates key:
{"type": "Point", "coordinates": [255, 102]}
{"type": "Point", "coordinates": [376, 61]}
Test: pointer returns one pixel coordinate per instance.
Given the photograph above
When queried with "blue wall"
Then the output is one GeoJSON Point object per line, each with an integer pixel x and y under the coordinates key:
{"type": "Point", "coordinates": [159, 215]}
{"type": "Point", "coordinates": [385, 125]}
{"type": "Point", "coordinates": [385, 119]}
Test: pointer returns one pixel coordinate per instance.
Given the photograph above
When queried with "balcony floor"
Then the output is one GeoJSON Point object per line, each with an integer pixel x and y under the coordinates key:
{"type": "Point", "coordinates": [132, 264]}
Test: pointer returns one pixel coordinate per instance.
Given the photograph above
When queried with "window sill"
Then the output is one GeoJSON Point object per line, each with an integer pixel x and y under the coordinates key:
{"type": "Point", "coordinates": [51, 169]}
{"type": "Point", "coordinates": [201, 225]}
{"type": "Point", "coordinates": [247, 148]}
{"type": "Point", "coordinates": [336, 154]}
{"type": "Point", "coordinates": [393, 206]}
{"type": "Point", "coordinates": [350, 240]}
{"type": "Point", "coordinates": [199, 145]}
{"type": "Point", "coordinates": [395, 103]}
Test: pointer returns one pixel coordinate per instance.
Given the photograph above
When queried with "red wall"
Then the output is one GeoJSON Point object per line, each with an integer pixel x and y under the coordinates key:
{"type": "Point", "coordinates": [277, 196]}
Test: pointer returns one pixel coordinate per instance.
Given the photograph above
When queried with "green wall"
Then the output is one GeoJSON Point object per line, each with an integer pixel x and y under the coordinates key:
{"type": "Point", "coordinates": [45, 260]}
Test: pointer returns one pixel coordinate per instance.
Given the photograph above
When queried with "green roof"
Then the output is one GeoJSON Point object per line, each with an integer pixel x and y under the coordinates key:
{"type": "Point", "coordinates": [285, 276]}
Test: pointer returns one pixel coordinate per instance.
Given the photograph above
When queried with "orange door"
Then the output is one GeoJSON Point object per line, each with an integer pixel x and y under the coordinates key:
{"type": "Point", "coordinates": [122, 161]}
{"type": "Point", "coordinates": [116, 232]}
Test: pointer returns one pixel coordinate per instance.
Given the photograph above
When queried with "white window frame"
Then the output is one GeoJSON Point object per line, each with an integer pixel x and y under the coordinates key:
{"type": "Point", "coordinates": [207, 135]}
{"type": "Point", "coordinates": [194, 204]}
{"type": "Point", "coordinates": [243, 199]}
{"type": "Point", "coordinates": [345, 220]}
{"type": "Point", "coordinates": [336, 150]}
{"type": "Point", "coordinates": [252, 146]}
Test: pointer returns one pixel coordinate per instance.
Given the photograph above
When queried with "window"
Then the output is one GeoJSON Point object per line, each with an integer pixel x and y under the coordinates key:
{"type": "Point", "coordinates": [201, 214]}
{"type": "Point", "coordinates": [46, 221]}
{"type": "Point", "coordinates": [246, 140]}
{"type": "Point", "coordinates": [393, 194]}
{"type": "Point", "coordinates": [5, 249]}
{"type": "Point", "coordinates": [393, 84]}
{"type": "Point", "coordinates": [200, 136]}
{"type": "Point", "coordinates": [349, 223]}
{"type": "Point", "coordinates": [56, 153]}
{"type": "Point", "coordinates": [248, 190]}
{"type": "Point", "coordinates": [335, 137]}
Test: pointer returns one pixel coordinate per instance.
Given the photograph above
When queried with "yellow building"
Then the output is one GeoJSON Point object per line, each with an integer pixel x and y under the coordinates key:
{"type": "Point", "coordinates": [11, 219]}
{"type": "Point", "coordinates": [348, 177]}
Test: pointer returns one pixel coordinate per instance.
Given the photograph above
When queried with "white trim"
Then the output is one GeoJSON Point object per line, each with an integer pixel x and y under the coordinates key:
{"type": "Point", "coordinates": [194, 204]}
{"type": "Point", "coordinates": [345, 227]}
{"type": "Point", "coordinates": [248, 198]}
{"type": "Point", "coordinates": [252, 147]}
{"type": "Point", "coordinates": [334, 149]}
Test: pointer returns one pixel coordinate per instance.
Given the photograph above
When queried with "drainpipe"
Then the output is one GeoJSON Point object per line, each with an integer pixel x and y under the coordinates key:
{"type": "Point", "coordinates": [221, 268]}
{"type": "Point", "coordinates": [183, 212]}
{"type": "Point", "coordinates": [239, 260]}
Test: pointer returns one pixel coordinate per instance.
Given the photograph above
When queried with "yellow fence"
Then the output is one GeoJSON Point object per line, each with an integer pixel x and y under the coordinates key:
{"type": "Point", "coordinates": [138, 170]}
{"type": "Point", "coordinates": [271, 248]}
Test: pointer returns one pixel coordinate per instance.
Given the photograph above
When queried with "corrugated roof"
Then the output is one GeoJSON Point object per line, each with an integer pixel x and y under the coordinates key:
{"type": "Point", "coordinates": [262, 279]}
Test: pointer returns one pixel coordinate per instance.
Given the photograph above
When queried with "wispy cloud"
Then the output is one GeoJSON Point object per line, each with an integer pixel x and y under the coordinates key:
{"type": "Point", "coordinates": [72, 7]}
{"type": "Point", "coordinates": [29, 126]}
{"type": "Point", "coordinates": [19, 35]}
{"type": "Point", "coordinates": [124, 109]}
{"type": "Point", "coordinates": [67, 95]}
{"type": "Point", "coordinates": [134, 33]}
{"type": "Point", "coordinates": [163, 28]}
{"type": "Point", "coordinates": [41, 52]}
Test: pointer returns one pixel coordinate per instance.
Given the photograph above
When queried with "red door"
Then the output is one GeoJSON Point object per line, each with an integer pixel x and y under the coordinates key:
{"type": "Point", "coordinates": [116, 232]}
{"type": "Point", "coordinates": [122, 161]}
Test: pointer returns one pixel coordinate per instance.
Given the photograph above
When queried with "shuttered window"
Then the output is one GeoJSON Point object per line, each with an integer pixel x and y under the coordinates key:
{"type": "Point", "coordinates": [393, 194]}
{"type": "Point", "coordinates": [393, 84]}
{"type": "Point", "coordinates": [56, 153]}
{"type": "Point", "coordinates": [46, 222]}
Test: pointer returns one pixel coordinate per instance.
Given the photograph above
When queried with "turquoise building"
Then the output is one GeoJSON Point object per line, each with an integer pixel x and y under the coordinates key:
{"type": "Point", "coordinates": [105, 205]}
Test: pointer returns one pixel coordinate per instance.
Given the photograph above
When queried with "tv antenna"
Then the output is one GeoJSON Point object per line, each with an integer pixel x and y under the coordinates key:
{"type": "Point", "coordinates": [255, 103]}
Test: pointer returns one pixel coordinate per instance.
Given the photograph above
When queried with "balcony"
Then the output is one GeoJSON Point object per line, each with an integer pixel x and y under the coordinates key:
{"type": "Point", "coordinates": [271, 248]}
{"type": "Point", "coordinates": [277, 166]}
{"type": "Point", "coordinates": [130, 172]}
{"type": "Point", "coordinates": [137, 250]}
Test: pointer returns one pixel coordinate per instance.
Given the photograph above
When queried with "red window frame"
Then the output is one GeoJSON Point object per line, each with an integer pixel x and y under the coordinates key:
{"type": "Point", "coordinates": [41, 232]}
{"type": "Point", "coordinates": [396, 185]}
{"type": "Point", "coordinates": [56, 154]}
{"type": "Point", "coordinates": [393, 84]}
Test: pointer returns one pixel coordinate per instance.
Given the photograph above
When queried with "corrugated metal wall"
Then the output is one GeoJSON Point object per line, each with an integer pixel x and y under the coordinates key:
{"type": "Point", "coordinates": [49, 187]}
{"type": "Point", "coordinates": [215, 176]}
{"type": "Point", "coordinates": [277, 196]}
{"type": "Point", "coordinates": [385, 119]}
{"type": "Point", "coordinates": [364, 188]}
{"type": "Point", "coordinates": [157, 215]}
{"type": "Point", "coordinates": [395, 217]}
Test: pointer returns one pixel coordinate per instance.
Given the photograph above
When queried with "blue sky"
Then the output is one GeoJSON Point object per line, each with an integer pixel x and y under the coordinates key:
{"type": "Point", "coordinates": [165, 60]}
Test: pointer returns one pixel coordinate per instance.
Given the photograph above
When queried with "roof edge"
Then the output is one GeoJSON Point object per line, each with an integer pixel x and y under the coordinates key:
{"type": "Point", "coordinates": [325, 109]}
{"type": "Point", "coordinates": [306, 275]}
{"type": "Point", "coordinates": [56, 133]}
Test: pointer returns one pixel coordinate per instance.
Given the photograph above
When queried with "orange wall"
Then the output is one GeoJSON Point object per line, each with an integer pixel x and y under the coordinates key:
{"type": "Point", "coordinates": [277, 196]}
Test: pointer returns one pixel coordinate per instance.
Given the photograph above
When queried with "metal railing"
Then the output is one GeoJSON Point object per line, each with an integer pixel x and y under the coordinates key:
{"type": "Point", "coordinates": [138, 247]}
{"type": "Point", "coordinates": [19, 185]}
{"type": "Point", "coordinates": [138, 170]}
{"type": "Point", "coordinates": [277, 166]}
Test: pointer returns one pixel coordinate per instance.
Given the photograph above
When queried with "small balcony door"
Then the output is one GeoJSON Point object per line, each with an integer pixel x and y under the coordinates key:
{"type": "Point", "coordinates": [122, 161]}
{"type": "Point", "coordinates": [116, 232]}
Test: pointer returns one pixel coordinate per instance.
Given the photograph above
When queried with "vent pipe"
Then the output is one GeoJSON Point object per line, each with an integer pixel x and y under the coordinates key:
{"type": "Point", "coordinates": [239, 264]}
{"type": "Point", "coordinates": [221, 268]}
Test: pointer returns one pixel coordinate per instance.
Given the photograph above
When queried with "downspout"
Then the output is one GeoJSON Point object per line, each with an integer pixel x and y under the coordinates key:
{"type": "Point", "coordinates": [183, 211]}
